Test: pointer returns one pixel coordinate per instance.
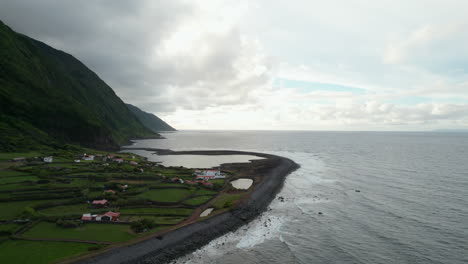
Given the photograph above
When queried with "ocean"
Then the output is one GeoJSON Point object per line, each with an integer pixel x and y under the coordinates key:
{"type": "Point", "coordinates": [359, 197]}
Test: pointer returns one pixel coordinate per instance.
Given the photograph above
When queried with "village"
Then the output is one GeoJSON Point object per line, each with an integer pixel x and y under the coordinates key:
{"type": "Point", "coordinates": [101, 199]}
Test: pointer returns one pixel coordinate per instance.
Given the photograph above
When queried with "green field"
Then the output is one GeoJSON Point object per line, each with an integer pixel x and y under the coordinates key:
{"type": "Point", "coordinates": [166, 195]}
{"type": "Point", "coordinates": [198, 200]}
{"type": "Point", "coordinates": [225, 199]}
{"type": "Point", "coordinates": [10, 210]}
{"type": "Point", "coordinates": [205, 192]}
{"type": "Point", "coordinates": [158, 220]}
{"type": "Point", "coordinates": [96, 232]}
{"type": "Point", "coordinates": [16, 179]}
{"type": "Point", "coordinates": [39, 252]}
{"type": "Point", "coordinates": [74, 209]}
{"type": "Point", "coordinates": [12, 155]}
{"type": "Point", "coordinates": [157, 211]}
{"type": "Point", "coordinates": [10, 227]}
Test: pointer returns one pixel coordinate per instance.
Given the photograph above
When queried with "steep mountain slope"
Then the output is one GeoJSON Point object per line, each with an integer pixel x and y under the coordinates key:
{"type": "Point", "coordinates": [49, 97]}
{"type": "Point", "coordinates": [149, 120]}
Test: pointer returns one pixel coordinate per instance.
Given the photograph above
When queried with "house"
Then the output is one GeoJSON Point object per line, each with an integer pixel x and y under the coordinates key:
{"type": "Point", "coordinates": [133, 162]}
{"type": "Point", "coordinates": [191, 182]}
{"type": "Point", "coordinates": [77, 161]}
{"type": "Point", "coordinates": [48, 159]}
{"type": "Point", "coordinates": [99, 203]}
{"type": "Point", "coordinates": [118, 160]}
{"type": "Point", "coordinates": [209, 174]}
{"type": "Point", "coordinates": [177, 179]}
{"type": "Point", "coordinates": [20, 159]}
{"type": "Point", "coordinates": [88, 157]}
{"type": "Point", "coordinates": [109, 216]}
{"type": "Point", "coordinates": [109, 191]}
{"type": "Point", "coordinates": [88, 217]}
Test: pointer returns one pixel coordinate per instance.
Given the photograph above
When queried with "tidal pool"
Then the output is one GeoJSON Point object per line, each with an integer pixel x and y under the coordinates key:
{"type": "Point", "coordinates": [194, 161]}
{"type": "Point", "coordinates": [242, 184]}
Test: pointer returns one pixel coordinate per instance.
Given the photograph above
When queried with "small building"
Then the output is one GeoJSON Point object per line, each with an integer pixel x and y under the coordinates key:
{"type": "Point", "coordinates": [133, 162]}
{"type": "Point", "coordinates": [191, 182]}
{"type": "Point", "coordinates": [109, 216]}
{"type": "Point", "coordinates": [99, 203]}
{"type": "Point", "coordinates": [118, 160]}
{"type": "Point", "coordinates": [88, 217]}
{"type": "Point", "coordinates": [88, 157]}
{"type": "Point", "coordinates": [48, 159]}
{"type": "Point", "coordinates": [177, 179]}
{"type": "Point", "coordinates": [109, 191]}
{"type": "Point", "coordinates": [19, 159]}
{"type": "Point", "coordinates": [77, 161]}
{"type": "Point", "coordinates": [209, 174]}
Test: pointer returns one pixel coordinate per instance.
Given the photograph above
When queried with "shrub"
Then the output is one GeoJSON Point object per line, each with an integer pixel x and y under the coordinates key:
{"type": "Point", "coordinates": [68, 223]}
{"type": "Point", "coordinates": [227, 204]}
{"type": "Point", "coordinates": [140, 225]}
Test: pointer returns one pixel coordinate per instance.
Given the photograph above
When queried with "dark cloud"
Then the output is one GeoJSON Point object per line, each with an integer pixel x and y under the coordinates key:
{"type": "Point", "coordinates": [125, 43]}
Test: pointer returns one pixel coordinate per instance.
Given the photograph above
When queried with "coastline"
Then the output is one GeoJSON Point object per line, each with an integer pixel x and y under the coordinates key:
{"type": "Point", "coordinates": [186, 239]}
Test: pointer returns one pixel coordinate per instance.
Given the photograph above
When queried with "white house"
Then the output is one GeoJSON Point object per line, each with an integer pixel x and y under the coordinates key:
{"type": "Point", "coordinates": [48, 159]}
{"type": "Point", "coordinates": [77, 161]}
{"type": "Point", "coordinates": [209, 174]}
{"type": "Point", "coordinates": [88, 157]}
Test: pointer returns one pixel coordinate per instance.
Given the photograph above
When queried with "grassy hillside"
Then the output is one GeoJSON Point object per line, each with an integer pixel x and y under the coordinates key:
{"type": "Point", "coordinates": [149, 120]}
{"type": "Point", "coordinates": [49, 97]}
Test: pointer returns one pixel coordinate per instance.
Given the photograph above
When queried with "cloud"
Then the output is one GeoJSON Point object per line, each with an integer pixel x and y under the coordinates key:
{"type": "Point", "coordinates": [161, 55]}
{"type": "Point", "coordinates": [213, 64]}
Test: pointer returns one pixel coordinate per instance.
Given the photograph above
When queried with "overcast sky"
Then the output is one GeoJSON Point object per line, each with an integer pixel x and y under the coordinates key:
{"type": "Point", "coordinates": [309, 65]}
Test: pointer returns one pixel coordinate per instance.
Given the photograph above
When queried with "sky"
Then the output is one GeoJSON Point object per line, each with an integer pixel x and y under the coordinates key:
{"type": "Point", "coordinates": [269, 64]}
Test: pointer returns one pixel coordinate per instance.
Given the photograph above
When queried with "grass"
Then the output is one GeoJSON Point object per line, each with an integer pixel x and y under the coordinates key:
{"type": "Point", "coordinates": [74, 209]}
{"type": "Point", "coordinates": [17, 179]}
{"type": "Point", "coordinates": [9, 156]}
{"type": "Point", "coordinates": [96, 232]}
{"type": "Point", "coordinates": [12, 173]}
{"type": "Point", "coordinates": [157, 211]}
{"type": "Point", "coordinates": [226, 200]}
{"type": "Point", "coordinates": [166, 195]}
{"type": "Point", "coordinates": [205, 192]}
{"type": "Point", "coordinates": [10, 210]}
{"type": "Point", "coordinates": [10, 227]}
{"type": "Point", "coordinates": [158, 220]}
{"type": "Point", "coordinates": [39, 252]}
{"type": "Point", "coordinates": [198, 200]}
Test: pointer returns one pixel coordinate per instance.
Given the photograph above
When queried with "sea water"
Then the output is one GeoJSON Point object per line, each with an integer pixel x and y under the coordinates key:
{"type": "Point", "coordinates": [359, 197]}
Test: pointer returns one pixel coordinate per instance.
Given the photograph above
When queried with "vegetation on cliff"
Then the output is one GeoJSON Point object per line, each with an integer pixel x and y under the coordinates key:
{"type": "Point", "coordinates": [149, 120]}
{"type": "Point", "coordinates": [48, 98]}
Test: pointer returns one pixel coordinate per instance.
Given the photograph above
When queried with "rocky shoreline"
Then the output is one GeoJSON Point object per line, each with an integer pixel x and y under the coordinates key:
{"type": "Point", "coordinates": [193, 236]}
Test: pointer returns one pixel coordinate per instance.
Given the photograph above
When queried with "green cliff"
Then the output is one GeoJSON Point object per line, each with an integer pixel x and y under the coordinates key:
{"type": "Point", "coordinates": [149, 120]}
{"type": "Point", "coordinates": [48, 97]}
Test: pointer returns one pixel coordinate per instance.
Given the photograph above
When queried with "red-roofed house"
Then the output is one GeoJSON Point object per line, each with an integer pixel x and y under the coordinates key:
{"type": "Point", "coordinates": [109, 216]}
{"type": "Point", "coordinates": [109, 191]}
{"type": "Point", "coordinates": [100, 203]}
{"type": "Point", "coordinates": [118, 160]}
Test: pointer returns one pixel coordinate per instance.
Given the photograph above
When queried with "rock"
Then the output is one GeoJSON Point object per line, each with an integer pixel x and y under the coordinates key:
{"type": "Point", "coordinates": [320, 213]}
{"type": "Point", "coordinates": [357, 190]}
